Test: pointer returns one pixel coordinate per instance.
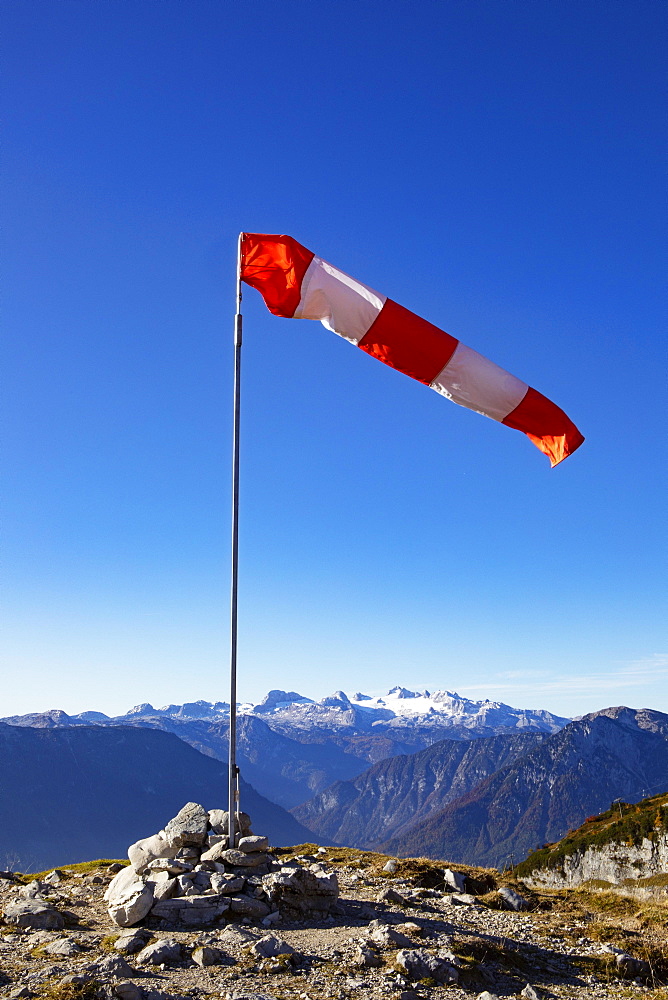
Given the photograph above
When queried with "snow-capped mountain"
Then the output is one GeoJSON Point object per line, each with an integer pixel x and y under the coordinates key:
{"type": "Point", "coordinates": [399, 708]}
{"type": "Point", "coordinates": [293, 713]}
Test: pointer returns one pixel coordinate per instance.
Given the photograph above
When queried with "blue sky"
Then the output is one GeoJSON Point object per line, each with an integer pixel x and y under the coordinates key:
{"type": "Point", "coordinates": [497, 168]}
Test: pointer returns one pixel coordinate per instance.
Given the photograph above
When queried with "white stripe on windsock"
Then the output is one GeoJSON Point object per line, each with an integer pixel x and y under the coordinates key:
{"type": "Point", "coordinates": [479, 384]}
{"type": "Point", "coordinates": [341, 303]}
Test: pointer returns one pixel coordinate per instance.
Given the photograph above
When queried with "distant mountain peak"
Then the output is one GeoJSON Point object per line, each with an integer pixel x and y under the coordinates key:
{"type": "Point", "coordinates": [401, 692]}
{"type": "Point", "coordinates": [280, 699]}
{"type": "Point", "coordinates": [337, 700]}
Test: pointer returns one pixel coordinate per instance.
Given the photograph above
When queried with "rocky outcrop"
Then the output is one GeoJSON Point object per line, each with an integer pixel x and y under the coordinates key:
{"type": "Point", "coordinates": [610, 863]}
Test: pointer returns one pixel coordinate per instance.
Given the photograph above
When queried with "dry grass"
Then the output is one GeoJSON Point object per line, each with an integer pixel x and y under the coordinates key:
{"type": "Point", "coordinates": [423, 872]}
{"type": "Point", "coordinates": [81, 868]}
{"type": "Point", "coordinates": [639, 927]}
{"type": "Point", "coordinates": [69, 991]}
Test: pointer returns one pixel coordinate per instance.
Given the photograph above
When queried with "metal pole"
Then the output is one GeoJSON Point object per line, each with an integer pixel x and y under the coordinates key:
{"type": "Point", "coordinates": [233, 795]}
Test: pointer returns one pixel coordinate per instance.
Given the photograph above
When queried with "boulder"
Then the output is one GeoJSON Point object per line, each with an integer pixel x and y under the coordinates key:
{"type": "Point", "coordinates": [454, 881]}
{"type": "Point", "coordinates": [251, 844]}
{"type": "Point", "coordinates": [132, 941]}
{"type": "Point", "coordinates": [388, 937]}
{"type": "Point", "coordinates": [216, 852]}
{"type": "Point", "coordinates": [512, 900]}
{"type": "Point", "coordinates": [129, 899]}
{"type": "Point", "coordinates": [390, 895]}
{"type": "Point", "coordinates": [143, 852]}
{"type": "Point", "coordinates": [239, 859]}
{"type": "Point", "coordinates": [420, 964]}
{"type": "Point", "coordinates": [205, 955]}
{"type": "Point", "coordinates": [300, 892]}
{"type": "Point", "coordinates": [366, 956]}
{"type": "Point", "coordinates": [172, 866]}
{"type": "Point", "coordinates": [632, 968]}
{"type": "Point", "coordinates": [128, 991]}
{"type": "Point", "coordinates": [64, 947]}
{"type": "Point", "coordinates": [270, 946]}
{"type": "Point", "coordinates": [227, 885]}
{"type": "Point", "coordinates": [35, 890]}
{"type": "Point", "coordinates": [112, 965]}
{"type": "Point", "coordinates": [35, 914]}
{"type": "Point", "coordinates": [189, 826]}
{"type": "Point", "coordinates": [165, 951]}
{"type": "Point", "coordinates": [164, 890]}
{"type": "Point", "coordinates": [192, 911]}
{"type": "Point", "coordinates": [218, 822]}
{"type": "Point", "coordinates": [248, 906]}
{"type": "Point", "coordinates": [235, 936]}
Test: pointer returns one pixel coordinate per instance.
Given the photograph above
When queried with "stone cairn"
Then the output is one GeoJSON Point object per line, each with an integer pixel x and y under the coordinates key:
{"type": "Point", "coordinates": [188, 875]}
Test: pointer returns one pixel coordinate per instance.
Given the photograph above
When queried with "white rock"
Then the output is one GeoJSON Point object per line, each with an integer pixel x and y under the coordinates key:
{"type": "Point", "coordinates": [205, 955]}
{"type": "Point", "coordinates": [172, 866]}
{"type": "Point", "coordinates": [189, 826]}
{"type": "Point", "coordinates": [64, 947]}
{"type": "Point", "coordinates": [455, 880]}
{"type": "Point", "coordinates": [269, 946]}
{"type": "Point", "coordinates": [367, 957]}
{"type": "Point", "coordinates": [216, 851]}
{"type": "Point", "coordinates": [388, 937]}
{"type": "Point", "coordinates": [35, 914]}
{"type": "Point", "coordinates": [131, 941]}
{"type": "Point", "coordinates": [420, 964]}
{"type": "Point", "coordinates": [240, 859]}
{"type": "Point", "coordinates": [143, 852]}
{"type": "Point", "coordinates": [112, 965]}
{"type": "Point", "coordinates": [164, 890]}
{"type": "Point", "coordinates": [227, 885]}
{"type": "Point", "coordinates": [164, 951]}
{"type": "Point", "coordinates": [128, 898]}
{"type": "Point", "coordinates": [250, 844]}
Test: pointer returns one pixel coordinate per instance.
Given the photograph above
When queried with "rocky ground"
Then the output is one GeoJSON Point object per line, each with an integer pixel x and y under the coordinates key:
{"type": "Point", "coordinates": [398, 933]}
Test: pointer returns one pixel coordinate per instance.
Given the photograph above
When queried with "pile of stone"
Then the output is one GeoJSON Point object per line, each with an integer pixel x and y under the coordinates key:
{"type": "Point", "coordinates": [189, 875]}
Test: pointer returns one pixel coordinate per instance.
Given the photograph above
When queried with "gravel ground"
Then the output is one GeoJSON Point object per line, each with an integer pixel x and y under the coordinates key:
{"type": "Point", "coordinates": [502, 952]}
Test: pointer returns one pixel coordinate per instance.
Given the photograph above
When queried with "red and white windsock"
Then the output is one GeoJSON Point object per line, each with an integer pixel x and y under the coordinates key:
{"type": "Point", "coordinates": [295, 283]}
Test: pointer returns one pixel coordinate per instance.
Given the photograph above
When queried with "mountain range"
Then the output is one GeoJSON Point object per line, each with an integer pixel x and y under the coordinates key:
{"type": "Point", "coordinates": [411, 772]}
{"type": "Point", "coordinates": [291, 747]}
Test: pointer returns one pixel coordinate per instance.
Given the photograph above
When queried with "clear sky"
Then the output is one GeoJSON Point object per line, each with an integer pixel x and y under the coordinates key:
{"type": "Point", "coordinates": [498, 168]}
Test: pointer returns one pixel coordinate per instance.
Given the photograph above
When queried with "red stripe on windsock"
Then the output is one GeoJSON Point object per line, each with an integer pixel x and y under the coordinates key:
{"type": "Point", "coordinates": [275, 265]}
{"type": "Point", "coordinates": [408, 343]}
{"type": "Point", "coordinates": [546, 425]}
